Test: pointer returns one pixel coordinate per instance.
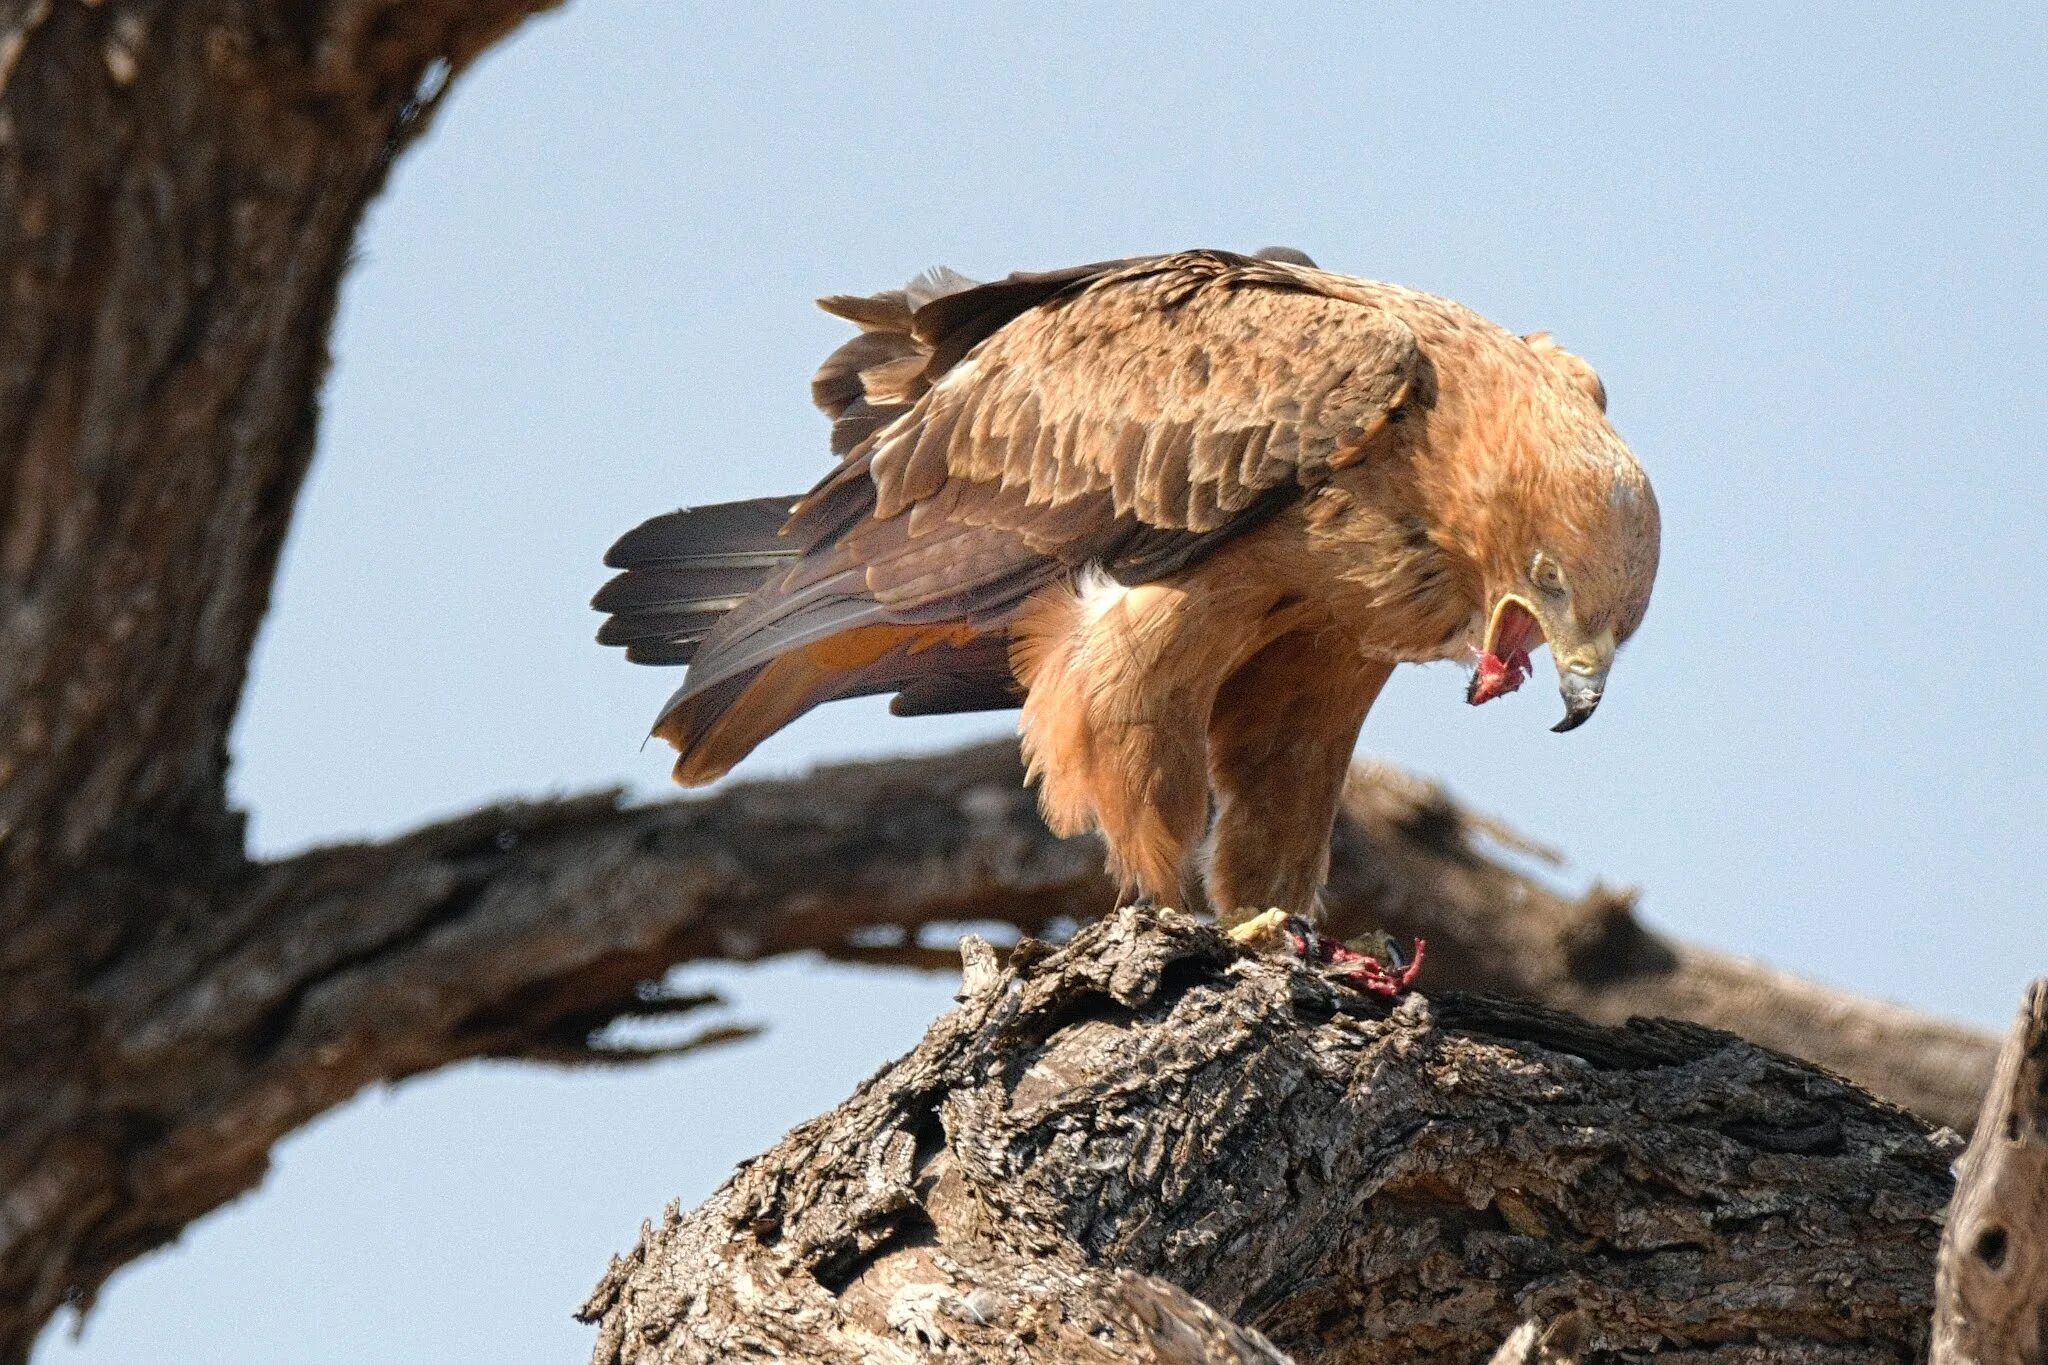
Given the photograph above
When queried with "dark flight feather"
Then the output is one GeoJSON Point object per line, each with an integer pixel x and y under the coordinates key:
{"type": "Point", "coordinates": [686, 569]}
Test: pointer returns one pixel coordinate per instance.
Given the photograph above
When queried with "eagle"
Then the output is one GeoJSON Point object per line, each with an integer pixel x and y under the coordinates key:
{"type": "Point", "coordinates": [1188, 511]}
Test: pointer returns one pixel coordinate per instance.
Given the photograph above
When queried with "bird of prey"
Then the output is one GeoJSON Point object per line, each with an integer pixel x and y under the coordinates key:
{"type": "Point", "coordinates": [1188, 511]}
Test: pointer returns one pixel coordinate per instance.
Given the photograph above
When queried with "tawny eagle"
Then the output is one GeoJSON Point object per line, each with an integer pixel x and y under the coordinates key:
{"type": "Point", "coordinates": [1188, 511]}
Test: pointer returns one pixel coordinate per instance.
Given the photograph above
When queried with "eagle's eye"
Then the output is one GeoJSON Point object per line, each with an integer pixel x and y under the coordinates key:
{"type": "Point", "coordinates": [1545, 574]}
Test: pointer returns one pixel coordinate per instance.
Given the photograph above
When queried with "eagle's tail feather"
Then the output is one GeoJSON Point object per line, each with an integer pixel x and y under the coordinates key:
{"type": "Point", "coordinates": [932, 669]}
{"type": "Point", "coordinates": [807, 634]}
{"type": "Point", "coordinates": [685, 570]}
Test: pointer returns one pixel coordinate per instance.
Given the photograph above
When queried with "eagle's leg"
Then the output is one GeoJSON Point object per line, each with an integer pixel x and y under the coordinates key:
{"type": "Point", "coordinates": [1280, 740]}
{"type": "Point", "coordinates": [1139, 781]}
{"type": "Point", "coordinates": [1119, 685]}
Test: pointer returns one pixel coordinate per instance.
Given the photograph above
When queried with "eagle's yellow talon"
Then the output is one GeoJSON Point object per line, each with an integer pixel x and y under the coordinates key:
{"type": "Point", "coordinates": [1263, 931]}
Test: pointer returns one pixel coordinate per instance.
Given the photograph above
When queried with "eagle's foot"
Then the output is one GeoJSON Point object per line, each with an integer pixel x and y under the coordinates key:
{"type": "Point", "coordinates": [1270, 929]}
{"type": "Point", "coordinates": [1388, 973]}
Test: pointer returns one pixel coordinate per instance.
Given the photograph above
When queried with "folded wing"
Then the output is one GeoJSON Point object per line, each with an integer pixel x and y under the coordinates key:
{"type": "Point", "coordinates": [996, 437]}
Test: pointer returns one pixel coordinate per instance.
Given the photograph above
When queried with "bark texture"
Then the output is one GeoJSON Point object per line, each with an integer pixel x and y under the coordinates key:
{"type": "Point", "coordinates": [180, 185]}
{"type": "Point", "coordinates": [1412, 861]}
{"type": "Point", "coordinates": [1991, 1295]}
{"type": "Point", "coordinates": [1356, 1182]}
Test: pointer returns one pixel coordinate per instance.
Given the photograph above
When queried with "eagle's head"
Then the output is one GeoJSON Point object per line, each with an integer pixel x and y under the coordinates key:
{"type": "Point", "coordinates": [1574, 571]}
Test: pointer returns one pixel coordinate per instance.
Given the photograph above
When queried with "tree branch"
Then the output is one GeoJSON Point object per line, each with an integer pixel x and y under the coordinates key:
{"type": "Point", "coordinates": [526, 930]}
{"type": "Point", "coordinates": [1356, 1182]}
{"type": "Point", "coordinates": [1413, 862]}
{"type": "Point", "coordinates": [180, 188]}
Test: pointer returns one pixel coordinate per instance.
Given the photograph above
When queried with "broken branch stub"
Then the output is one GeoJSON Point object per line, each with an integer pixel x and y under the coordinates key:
{"type": "Point", "coordinates": [1991, 1294]}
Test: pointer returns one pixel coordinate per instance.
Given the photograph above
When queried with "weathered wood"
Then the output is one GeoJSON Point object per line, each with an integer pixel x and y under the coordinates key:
{"type": "Point", "coordinates": [1991, 1290]}
{"type": "Point", "coordinates": [1358, 1183]}
{"type": "Point", "coordinates": [1170, 1326]}
{"type": "Point", "coordinates": [524, 930]}
{"type": "Point", "coordinates": [1533, 1344]}
{"type": "Point", "coordinates": [1413, 862]}
{"type": "Point", "coordinates": [180, 187]}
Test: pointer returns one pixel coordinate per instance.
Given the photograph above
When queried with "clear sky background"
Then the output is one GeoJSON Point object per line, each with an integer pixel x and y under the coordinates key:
{"type": "Point", "coordinates": [1805, 252]}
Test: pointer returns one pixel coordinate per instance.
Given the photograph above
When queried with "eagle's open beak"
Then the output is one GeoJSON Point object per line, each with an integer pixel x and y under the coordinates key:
{"type": "Point", "coordinates": [1517, 627]}
{"type": "Point", "coordinates": [1504, 659]}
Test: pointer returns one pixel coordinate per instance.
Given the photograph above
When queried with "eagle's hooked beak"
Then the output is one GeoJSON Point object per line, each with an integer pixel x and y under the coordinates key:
{"type": "Point", "coordinates": [1581, 676]}
{"type": "Point", "coordinates": [1517, 626]}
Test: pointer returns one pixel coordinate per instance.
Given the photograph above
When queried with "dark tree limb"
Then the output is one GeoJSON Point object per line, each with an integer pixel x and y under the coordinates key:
{"type": "Point", "coordinates": [1356, 1182]}
{"type": "Point", "coordinates": [1991, 1294]}
{"type": "Point", "coordinates": [180, 187]}
{"type": "Point", "coordinates": [1412, 861]}
{"type": "Point", "coordinates": [525, 930]}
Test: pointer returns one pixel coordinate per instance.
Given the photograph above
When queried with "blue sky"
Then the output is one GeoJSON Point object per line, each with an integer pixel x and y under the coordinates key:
{"type": "Point", "coordinates": [1804, 250]}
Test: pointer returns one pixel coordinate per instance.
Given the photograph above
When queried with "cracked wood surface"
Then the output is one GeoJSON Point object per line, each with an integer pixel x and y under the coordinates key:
{"type": "Point", "coordinates": [180, 187]}
{"type": "Point", "coordinates": [524, 930]}
{"type": "Point", "coordinates": [1356, 1182]}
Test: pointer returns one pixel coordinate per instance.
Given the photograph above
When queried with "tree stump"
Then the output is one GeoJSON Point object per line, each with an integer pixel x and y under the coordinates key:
{"type": "Point", "coordinates": [1152, 1145]}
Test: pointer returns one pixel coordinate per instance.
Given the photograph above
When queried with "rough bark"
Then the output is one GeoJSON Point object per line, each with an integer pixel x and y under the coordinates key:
{"type": "Point", "coordinates": [1532, 1343]}
{"type": "Point", "coordinates": [1354, 1181]}
{"type": "Point", "coordinates": [1413, 862]}
{"type": "Point", "coordinates": [180, 185]}
{"type": "Point", "coordinates": [1991, 1292]}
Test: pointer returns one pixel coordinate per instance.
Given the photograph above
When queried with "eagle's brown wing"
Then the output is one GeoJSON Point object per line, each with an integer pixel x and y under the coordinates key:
{"type": "Point", "coordinates": [1174, 391]}
{"type": "Point", "coordinates": [1130, 415]}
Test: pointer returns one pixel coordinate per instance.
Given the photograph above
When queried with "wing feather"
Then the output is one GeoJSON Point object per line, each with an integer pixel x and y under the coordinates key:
{"type": "Point", "coordinates": [1176, 391]}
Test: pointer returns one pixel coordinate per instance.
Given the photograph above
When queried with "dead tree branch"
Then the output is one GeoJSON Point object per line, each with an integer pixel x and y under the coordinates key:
{"type": "Point", "coordinates": [1991, 1292]}
{"type": "Point", "coordinates": [180, 187]}
{"type": "Point", "coordinates": [1358, 1183]}
{"type": "Point", "coordinates": [1415, 863]}
{"type": "Point", "coordinates": [525, 930]}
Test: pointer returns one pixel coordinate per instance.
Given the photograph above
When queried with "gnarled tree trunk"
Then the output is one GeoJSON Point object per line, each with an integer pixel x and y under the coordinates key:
{"type": "Point", "coordinates": [1991, 1292]}
{"type": "Point", "coordinates": [180, 186]}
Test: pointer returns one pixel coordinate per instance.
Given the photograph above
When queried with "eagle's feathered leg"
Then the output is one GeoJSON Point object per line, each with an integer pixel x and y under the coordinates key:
{"type": "Point", "coordinates": [1280, 741]}
{"type": "Point", "coordinates": [1119, 686]}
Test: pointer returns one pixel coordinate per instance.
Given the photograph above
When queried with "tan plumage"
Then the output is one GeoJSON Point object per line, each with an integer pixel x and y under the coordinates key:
{"type": "Point", "coordinates": [1190, 510]}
